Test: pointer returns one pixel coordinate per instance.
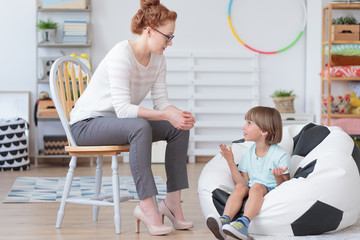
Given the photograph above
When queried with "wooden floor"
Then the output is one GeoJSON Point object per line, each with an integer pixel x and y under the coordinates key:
{"type": "Point", "coordinates": [37, 220]}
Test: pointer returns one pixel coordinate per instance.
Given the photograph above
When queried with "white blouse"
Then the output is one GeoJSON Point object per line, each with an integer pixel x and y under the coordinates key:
{"type": "Point", "coordinates": [120, 84]}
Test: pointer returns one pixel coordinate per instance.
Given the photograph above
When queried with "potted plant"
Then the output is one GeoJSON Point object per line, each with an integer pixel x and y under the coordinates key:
{"type": "Point", "coordinates": [284, 101]}
{"type": "Point", "coordinates": [47, 30]}
{"type": "Point", "coordinates": [345, 28]}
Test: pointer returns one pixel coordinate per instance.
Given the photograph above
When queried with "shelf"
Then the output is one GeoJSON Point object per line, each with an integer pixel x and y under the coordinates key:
{"type": "Point", "coordinates": [63, 45]}
{"type": "Point", "coordinates": [342, 6]}
{"type": "Point", "coordinates": [341, 42]}
{"type": "Point", "coordinates": [341, 78]}
{"type": "Point", "coordinates": [47, 53]}
{"type": "Point", "coordinates": [212, 138]}
{"type": "Point", "coordinates": [42, 155]}
{"type": "Point", "coordinates": [208, 110]}
{"type": "Point", "coordinates": [43, 81]}
{"type": "Point", "coordinates": [48, 118]}
{"type": "Point", "coordinates": [341, 115]}
{"type": "Point", "coordinates": [230, 84]}
{"type": "Point", "coordinates": [40, 9]}
{"type": "Point", "coordinates": [326, 82]}
{"type": "Point", "coordinates": [209, 124]}
{"type": "Point", "coordinates": [222, 97]}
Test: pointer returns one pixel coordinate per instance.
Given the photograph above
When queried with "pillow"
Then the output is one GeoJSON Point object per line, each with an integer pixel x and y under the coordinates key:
{"type": "Point", "coordinates": [344, 49]}
{"type": "Point", "coordinates": [338, 60]}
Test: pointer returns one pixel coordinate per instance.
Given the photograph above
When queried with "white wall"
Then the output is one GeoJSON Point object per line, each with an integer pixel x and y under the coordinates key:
{"type": "Point", "coordinates": [201, 25]}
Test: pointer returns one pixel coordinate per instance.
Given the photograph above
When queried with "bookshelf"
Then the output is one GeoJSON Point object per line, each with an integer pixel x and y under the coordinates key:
{"type": "Point", "coordinates": [327, 82]}
{"type": "Point", "coordinates": [73, 36]}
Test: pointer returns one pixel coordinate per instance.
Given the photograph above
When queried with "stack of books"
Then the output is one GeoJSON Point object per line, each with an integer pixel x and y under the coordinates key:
{"type": "Point", "coordinates": [75, 32]}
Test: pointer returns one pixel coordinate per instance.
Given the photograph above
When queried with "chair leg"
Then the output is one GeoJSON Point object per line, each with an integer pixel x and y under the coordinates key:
{"type": "Point", "coordinates": [66, 191]}
{"type": "Point", "coordinates": [116, 192]}
{"type": "Point", "coordinates": [98, 179]}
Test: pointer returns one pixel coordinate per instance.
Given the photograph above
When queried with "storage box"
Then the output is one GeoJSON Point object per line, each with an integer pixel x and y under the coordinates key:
{"type": "Point", "coordinates": [55, 145]}
{"type": "Point", "coordinates": [63, 4]}
{"type": "Point", "coordinates": [345, 32]}
{"type": "Point", "coordinates": [46, 108]}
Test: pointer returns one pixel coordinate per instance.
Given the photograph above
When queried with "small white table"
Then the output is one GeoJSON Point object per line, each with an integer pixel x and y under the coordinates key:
{"type": "Point", "coordinates": [296, 118]}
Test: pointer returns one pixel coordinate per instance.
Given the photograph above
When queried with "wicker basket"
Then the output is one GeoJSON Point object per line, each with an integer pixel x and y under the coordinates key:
{"type": "Point", "coordinates": [284, 104]}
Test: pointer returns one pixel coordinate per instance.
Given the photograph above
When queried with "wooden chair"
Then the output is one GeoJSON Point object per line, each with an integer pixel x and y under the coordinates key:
{"type": "Point", "coordinates": [63, 87]}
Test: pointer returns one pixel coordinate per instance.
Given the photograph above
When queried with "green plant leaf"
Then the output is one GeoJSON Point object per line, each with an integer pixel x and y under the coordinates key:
{"type": "Point", "coordinates": [283, 93]}
{"type": "Point", "coordinates": [48, 24]}
{"type": "Point", "coordinates": [347, 20]}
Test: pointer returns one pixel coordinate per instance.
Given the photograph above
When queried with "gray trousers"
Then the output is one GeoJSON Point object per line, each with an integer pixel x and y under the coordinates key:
{"type": "Point", "coordinates": [140, 133]}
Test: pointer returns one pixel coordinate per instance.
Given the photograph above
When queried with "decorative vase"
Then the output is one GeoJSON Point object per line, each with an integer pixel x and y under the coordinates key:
{"type": "Point", "coordinates": [48, 35]}
{"type": "Point", "coordinates": [284, 104]}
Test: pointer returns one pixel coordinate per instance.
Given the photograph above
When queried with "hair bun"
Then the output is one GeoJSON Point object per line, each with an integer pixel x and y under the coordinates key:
{"type": "Point", "coordinates": [149, 3]}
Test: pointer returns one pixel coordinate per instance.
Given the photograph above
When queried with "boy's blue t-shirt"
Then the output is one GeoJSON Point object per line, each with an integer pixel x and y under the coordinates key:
{"type": "Point", "coordinates": [260, 170]}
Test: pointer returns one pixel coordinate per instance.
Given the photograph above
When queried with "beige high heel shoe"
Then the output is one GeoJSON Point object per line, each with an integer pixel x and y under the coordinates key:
{"type": "Point", "coordinates": [153, 230]}
{"type": "Point", "coordinates": [178, 224]}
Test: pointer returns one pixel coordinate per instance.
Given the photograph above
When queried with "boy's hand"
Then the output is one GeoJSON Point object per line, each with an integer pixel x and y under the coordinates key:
{"type": "Point", "coordinates": [227, 153]}
{"type": "Point", "coordinates": [279, 171]}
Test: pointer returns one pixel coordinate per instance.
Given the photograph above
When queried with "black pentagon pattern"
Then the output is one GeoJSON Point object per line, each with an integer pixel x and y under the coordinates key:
{"type": "Point", "coordinates": [308, 138]}
{"type": "Point", "coordinates": [239, 141]}
{"type": "Point", "coordinates": [356, 155]}
{"type": "Point", "coordinates": [219, 199]}
{"type": "Point", "coordinates": [320, 218]}
{"type": "Point", "coordinates": [305, 171]}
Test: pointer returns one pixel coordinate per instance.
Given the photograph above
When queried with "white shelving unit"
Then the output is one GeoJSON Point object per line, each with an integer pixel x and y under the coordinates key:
{"type": "Point", "coordinates": [46, 53]}
{"type": "Point", "coordinates": [218, 88]}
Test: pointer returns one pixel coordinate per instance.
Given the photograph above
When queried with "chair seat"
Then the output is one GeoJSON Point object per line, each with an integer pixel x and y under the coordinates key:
{"type": "Point", "coordinates": [97, 150]}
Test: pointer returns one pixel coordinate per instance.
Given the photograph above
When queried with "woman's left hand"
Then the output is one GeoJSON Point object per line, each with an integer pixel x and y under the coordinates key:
{"type": "Point", "coordinates": [183, 120]}
{"type": "Point", "coordinates": [189, 120]}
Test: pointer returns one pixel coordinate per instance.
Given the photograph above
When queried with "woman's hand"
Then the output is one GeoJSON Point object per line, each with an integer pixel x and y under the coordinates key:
{"type": "Point", "coordinates": [227, 153]}
{"type": "Point", "coordinates": [279, 171]}
{"type": "Point", "coordinates": [183, 120]}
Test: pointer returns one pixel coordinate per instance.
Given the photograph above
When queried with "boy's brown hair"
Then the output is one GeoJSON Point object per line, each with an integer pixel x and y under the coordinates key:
{"type": "Point", "coordinates": [267, 119]}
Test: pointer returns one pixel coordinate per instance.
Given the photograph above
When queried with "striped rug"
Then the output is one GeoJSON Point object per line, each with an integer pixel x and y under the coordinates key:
{"type": "Point", "coordinates": [49, 189]}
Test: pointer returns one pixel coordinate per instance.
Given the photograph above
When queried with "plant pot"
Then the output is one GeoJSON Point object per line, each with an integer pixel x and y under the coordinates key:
{"type": "Point", "coordinates": [47, 35]}
{"type": "Point", "coordinates": [284, 104]}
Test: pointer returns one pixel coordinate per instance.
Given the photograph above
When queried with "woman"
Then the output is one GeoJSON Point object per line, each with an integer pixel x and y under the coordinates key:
{"type": "Point", "coordinates": [108, 113]}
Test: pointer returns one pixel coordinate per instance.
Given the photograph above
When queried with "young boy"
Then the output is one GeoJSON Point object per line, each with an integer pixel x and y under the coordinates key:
{"type": "Point", "coordinates": [263, 166]}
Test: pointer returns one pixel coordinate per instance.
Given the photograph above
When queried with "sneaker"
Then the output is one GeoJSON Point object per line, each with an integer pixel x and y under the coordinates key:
{"type": "Point", "coordinates": [215, 225]}
{"type": "Point", "coordinates": [237, 229]}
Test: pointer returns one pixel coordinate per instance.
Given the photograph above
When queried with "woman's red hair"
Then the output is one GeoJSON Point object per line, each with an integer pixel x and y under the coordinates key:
{"type": "Point", "coordinates": [151, 14]}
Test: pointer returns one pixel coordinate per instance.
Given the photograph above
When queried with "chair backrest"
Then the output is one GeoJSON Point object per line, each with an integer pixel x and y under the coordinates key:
{"type": "Point", "coordinates": [68, 80]}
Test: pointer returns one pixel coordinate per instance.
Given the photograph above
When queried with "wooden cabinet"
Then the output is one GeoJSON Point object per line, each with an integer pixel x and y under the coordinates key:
{"type": "Point", "coordinates": [327, 80]}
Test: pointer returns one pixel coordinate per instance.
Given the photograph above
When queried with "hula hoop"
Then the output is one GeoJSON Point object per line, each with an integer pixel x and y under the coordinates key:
{"type": "Point", "coordinates": [268, 52]}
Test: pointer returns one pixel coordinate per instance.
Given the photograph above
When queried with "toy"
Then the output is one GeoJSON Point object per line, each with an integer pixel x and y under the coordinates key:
{"type": "Point", "coordinates": [84, 59]}
{"type": "Point", "coordinates": [355, 110]}
{"type": "Point", "coordinates": [354, 101]}
{"type": "Point", "coordinates": [339, 104]}
{"type": "Point", "coordinates": [267, 52]}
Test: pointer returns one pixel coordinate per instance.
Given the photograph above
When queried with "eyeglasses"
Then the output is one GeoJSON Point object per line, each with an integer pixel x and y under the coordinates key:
{"type": "Point", "coordinates": [168, 38]}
